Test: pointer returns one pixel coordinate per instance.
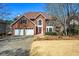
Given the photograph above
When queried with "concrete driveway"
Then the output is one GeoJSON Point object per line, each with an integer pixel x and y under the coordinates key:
{"type": "Point", "coordinates": [16, 45]}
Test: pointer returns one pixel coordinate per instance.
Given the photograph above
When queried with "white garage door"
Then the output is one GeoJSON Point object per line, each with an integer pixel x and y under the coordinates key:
{"type": "Point", "coordinates": [18, 31]}
{"type": "Point", "coordinates": [29, 32]}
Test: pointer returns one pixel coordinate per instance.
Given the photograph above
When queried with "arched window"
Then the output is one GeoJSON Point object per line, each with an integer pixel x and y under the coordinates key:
{"type": "Point", "coordinates": [39, 22]}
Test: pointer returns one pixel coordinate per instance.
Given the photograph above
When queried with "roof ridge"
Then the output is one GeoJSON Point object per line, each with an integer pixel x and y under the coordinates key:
{"type": "Point", "coordinates": [35, 12]}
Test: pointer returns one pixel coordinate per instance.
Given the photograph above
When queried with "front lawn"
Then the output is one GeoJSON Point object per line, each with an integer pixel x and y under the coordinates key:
{"type": "Point", "coordinates": [67, 47]}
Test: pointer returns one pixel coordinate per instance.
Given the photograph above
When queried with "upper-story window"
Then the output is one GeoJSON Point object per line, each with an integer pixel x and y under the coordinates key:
{"type": "Point", "coordinates": [39, 22]}
{"type": "Point", "coordinates": [23, 20]}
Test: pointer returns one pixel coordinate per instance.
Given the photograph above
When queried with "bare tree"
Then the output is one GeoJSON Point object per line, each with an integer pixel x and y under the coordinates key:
{"type": "Point", "coordinates": [62, 11]}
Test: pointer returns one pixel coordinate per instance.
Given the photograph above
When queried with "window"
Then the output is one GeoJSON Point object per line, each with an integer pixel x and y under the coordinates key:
{"type": "Point", "coordinates": [39, 22]}
{"type": "Point", "coordinates": [50, 29]}
{"type": "Point", "coordinates": [23, 20]}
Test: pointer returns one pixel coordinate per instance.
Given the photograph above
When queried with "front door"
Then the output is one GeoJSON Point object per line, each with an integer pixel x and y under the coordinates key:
{"type": "Point", "coordinates": [39, 30]}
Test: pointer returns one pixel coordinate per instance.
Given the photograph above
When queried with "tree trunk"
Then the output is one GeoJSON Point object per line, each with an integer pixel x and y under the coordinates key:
{"type": "Point", "coordinates": [65, 27]}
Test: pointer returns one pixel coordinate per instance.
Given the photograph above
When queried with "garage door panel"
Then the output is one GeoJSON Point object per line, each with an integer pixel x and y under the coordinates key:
{"type": "Point", "coordinates": [21, 32]}
{"type": "Point", "coordinates": [29, 32]}
{"type": "Point", "coordinates": [18, 31]}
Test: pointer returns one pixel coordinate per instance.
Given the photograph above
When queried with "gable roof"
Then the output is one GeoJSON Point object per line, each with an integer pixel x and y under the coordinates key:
{"type": "Point", "coordinates": [19, 18]}
{"type": "Point", "coordinates": [33, 15]}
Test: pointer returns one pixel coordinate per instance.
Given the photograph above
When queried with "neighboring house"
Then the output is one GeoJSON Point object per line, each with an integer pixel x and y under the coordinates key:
{"type": "Point", "coordinates": [33, 23]}
{"type": "Point", "coordinates": [73, 25]}
{"type": "Point", "coordinates": [2, 27]}
{"type": "Point", "coordinates": [75, 21]}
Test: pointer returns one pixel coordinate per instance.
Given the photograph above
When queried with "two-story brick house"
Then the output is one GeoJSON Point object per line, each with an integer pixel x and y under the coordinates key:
{"type": "Point", "coordinates": [33, 23]}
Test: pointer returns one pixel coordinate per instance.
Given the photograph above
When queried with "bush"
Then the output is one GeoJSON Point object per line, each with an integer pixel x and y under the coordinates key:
{"type": "Point", "coordinates": [73, 30]}
{"type": "Point", "coordinates": [51, 33]}
{"type": "Point", "coordinates": [2, 34]}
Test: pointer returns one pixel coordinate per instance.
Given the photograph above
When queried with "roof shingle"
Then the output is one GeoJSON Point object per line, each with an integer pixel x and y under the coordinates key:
{"type": "Point", "coordinates": [33, 15]}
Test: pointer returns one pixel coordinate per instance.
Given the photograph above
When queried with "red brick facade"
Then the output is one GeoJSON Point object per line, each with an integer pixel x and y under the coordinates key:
{"type": "Point", "coordinates": [32, 23]}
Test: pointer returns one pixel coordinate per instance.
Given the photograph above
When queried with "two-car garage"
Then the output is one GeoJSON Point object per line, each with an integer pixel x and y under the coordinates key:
{"type": "Point", "coordinates": [29, 31]}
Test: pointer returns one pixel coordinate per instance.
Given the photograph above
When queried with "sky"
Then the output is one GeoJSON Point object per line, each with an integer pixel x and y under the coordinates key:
{"type": "Point", "coordinates": [20, 8]}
